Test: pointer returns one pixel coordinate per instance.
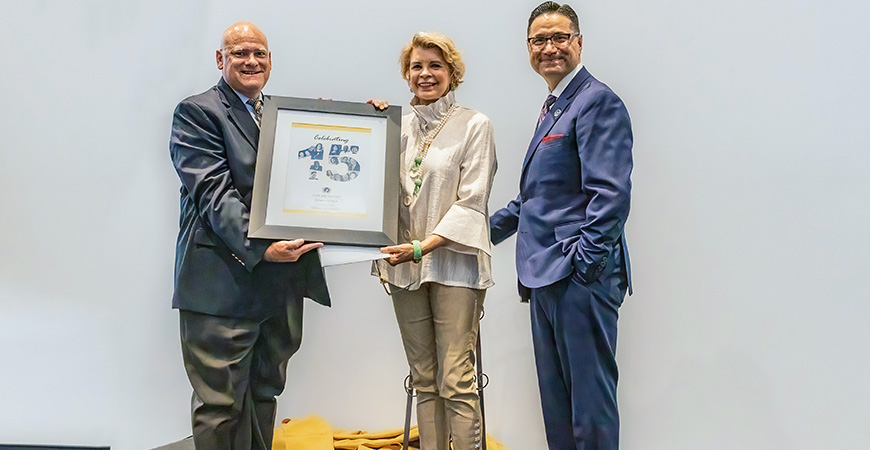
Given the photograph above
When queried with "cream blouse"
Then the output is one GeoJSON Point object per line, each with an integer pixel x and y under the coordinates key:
{"type": "Point", "coordinates": [452, 202]}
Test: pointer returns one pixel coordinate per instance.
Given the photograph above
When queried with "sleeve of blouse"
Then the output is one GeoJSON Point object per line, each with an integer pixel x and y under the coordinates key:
{"type": "Point", "coordinates": [466, 222]}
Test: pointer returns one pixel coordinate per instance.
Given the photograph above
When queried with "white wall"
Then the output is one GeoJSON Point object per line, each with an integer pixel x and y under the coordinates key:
{"type": "Point", "coordinates": [748, 326]}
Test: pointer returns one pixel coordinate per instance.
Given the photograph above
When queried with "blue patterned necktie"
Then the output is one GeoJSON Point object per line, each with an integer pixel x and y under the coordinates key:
{"type": "Point", "coordinates": [258, 109]}
{"type": "Point", "coordinates": [548, 103]}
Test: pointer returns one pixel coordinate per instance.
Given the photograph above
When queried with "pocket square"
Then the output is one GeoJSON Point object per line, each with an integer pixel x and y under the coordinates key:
{"type": "Point", "coordinates": [551, 137]}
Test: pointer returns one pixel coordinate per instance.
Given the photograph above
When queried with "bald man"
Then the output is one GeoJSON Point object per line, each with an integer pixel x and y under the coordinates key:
{"type": "Point", "coordinates": [239, 299]}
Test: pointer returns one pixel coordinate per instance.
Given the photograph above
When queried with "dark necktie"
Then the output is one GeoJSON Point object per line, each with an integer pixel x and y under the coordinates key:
{"type": "Point", "coordinates": [548, 103]}
{"type": "Point", "coordinates": [258, 109]}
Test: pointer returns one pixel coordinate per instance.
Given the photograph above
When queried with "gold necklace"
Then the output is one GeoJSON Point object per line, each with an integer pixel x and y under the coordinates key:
{"type": "Point", "coordinates": [416, 172]}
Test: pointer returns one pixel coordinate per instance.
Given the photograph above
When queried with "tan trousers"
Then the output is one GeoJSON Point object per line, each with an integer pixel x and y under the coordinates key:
{"type": "Point", "coordinates": [439, 326]}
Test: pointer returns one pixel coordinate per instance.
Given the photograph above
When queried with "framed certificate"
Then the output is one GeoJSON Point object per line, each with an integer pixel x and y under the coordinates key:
{"type": "Point", "coordinates": [327, 171]}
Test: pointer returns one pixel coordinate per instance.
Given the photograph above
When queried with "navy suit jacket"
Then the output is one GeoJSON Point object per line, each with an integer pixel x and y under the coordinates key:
{"type": "Point", "coordinates": [218, 269]}
{"type": "Point", "coordinates": [574, 189]}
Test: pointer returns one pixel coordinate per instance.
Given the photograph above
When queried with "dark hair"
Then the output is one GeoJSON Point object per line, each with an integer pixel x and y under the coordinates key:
{"type": "Point", "coordinates": [553, 7]}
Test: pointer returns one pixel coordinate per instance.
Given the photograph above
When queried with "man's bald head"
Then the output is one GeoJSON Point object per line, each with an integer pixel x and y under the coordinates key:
{"type": "Point", "coordinates": [244, 58]}
{"type": "Point", "coordinates": [242, 30]}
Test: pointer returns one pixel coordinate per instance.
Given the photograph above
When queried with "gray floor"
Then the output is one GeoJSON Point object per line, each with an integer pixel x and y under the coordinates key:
{"type": "Point", "coordinates": [184, 444]}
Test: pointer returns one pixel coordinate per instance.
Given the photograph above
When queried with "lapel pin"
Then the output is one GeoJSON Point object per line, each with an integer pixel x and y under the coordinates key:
{"type": "Point", "coordinates": [556, 114]}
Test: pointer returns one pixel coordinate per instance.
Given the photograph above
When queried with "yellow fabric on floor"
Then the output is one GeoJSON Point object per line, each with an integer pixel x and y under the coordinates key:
{"type": "Point", "coordinates": [310, 433]}
{"type": "Point", "coordinates": [382, 440]}
{"type": "Point", "coordinates": [314, 433]}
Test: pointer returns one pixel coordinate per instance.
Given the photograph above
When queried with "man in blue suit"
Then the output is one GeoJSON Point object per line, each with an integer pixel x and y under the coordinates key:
{"type": "Point", "coordinates": [239, 299]}
{"type": "Point", "coordinates": [572, 262]}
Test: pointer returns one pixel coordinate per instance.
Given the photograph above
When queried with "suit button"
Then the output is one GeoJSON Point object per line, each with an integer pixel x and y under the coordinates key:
{"type": "Point", "coordinates": [408, 201]}
{"type": "Point", "coordinates": [407, 234]}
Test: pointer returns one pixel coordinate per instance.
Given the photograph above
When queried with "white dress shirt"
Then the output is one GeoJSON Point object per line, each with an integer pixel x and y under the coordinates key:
{"type": "Point", "coordinates": [560, 88]}
{"type": "Point", "coordinates": [249, 107]}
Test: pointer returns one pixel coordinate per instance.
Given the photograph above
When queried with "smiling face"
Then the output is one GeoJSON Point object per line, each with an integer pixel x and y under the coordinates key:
{"type": "Point", "coordinates": [244, 59]}
{"type": "Point", "coordinates": [554, 61]}
{"type": "Point", "coordinates": [429, 74]}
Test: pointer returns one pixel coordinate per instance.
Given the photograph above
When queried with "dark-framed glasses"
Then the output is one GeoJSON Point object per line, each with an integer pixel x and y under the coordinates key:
{"type": "Point", "coordinates": [559, 39]}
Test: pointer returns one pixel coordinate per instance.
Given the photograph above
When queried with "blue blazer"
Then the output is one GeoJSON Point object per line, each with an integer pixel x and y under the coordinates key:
{"type": "Point", "coordinates": [218, 269]}
{"type": "Point", "coordinates": [574, 190]}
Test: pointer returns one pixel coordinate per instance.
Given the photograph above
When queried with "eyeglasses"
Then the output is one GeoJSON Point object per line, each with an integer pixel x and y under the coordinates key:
{"type": "Point", "coordinates": [245, 54]}
{"type": "Point", "coordinates": [559, 39]}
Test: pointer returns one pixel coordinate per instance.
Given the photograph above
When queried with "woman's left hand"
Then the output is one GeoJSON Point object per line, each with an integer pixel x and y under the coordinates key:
{"type": "Point", "coordinates": [399, 253]}
{"type": "Point", "coordinates": [379, 104]}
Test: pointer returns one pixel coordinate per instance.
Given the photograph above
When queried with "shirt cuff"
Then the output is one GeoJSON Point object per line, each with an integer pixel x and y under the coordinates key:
{"type": "Point", "coordinates": [466, 227]}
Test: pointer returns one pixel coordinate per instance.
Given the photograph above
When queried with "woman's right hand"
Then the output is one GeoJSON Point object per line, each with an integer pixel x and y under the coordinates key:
{"type": "Point", "coordinates": [379, 104]}
{"type": "Point", "coordinates": [399, 254]}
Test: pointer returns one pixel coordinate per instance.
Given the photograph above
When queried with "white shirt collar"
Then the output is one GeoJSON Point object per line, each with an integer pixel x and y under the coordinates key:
{"type": "Point", "coordinates": [428, 116]}
{"type": "Point", "coordinates": [245, 101]}
{"type": "Point", "coordinates": [566, 81]}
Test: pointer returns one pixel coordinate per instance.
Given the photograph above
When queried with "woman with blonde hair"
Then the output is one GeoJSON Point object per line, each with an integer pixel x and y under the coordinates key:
{"type": "Point", "coordinates": [438, 276]}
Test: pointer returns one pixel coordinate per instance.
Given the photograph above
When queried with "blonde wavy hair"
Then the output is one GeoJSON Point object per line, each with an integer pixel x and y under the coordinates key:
{"type": "Point", "coordinates": [448, 52]}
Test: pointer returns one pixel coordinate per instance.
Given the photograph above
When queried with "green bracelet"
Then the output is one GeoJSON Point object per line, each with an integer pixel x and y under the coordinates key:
{"type": "Point", "coordinates": [418, 250]}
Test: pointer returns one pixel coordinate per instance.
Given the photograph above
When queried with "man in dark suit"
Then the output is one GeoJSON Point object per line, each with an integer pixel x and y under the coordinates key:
{"type": "Point", "coordinates": [572, 262]}
{"type": "Point", "coordinates": [239, 299]}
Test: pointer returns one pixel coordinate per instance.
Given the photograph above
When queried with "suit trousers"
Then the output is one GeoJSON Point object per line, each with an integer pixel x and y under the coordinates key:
{"type": "Point", "coordinates": [237, 367]}
{"type": "Point", "coordinates": [574, 337]}
{"type": "Point", "coordinates": [439, 326]}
